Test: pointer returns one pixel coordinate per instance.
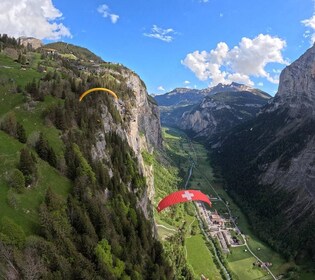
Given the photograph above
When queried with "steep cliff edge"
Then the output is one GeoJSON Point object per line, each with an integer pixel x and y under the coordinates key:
{"type": "Point", "coordinates": [269, 162]}
{"type": "Point", "coordinates": [141, 127]}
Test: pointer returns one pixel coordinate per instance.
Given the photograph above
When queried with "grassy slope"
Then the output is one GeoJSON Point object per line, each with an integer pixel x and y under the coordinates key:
{"type": "Point", "coordinates": [25, 213]}
{"type": "Point", "coordinates": [10, 70]}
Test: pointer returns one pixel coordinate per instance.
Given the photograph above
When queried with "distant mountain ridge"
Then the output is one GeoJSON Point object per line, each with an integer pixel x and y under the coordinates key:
{"type": "Point", "coordinates": [222, 111]}
{"type": "Point", "coordinates": [188, 96]}
{"type": "Point", "coordinates": [212, 109]}
{"type": "Point", "coordinates": [180, 97]}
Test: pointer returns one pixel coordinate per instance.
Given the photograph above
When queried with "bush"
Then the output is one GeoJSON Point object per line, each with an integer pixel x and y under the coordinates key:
{"type": "Point", "coordinates": [16, 180]}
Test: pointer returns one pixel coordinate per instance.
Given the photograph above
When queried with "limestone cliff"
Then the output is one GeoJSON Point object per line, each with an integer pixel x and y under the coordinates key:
{"type": "Point", "coordinates": [296, 96]}
{"type": "Point", "coordinates": [269, 162]}
{"type": "Point", "coordinates": [140, 127]}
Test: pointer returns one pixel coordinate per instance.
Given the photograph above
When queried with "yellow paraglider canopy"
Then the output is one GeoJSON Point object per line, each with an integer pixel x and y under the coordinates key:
{"type": "Point", "coordinates": [97, 89]}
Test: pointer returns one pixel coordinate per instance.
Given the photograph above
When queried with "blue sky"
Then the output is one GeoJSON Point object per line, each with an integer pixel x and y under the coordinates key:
{"type": "Point", "coordinates": [176, 43]}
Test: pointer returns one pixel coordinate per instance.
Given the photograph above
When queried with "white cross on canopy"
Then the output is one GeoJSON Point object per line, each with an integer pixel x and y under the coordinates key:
{"type": "Point", "coordinates": [188, 195]}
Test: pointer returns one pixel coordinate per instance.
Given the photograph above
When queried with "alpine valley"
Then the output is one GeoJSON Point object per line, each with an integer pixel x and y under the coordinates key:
{"type": "Point", "coordinates": [80, 180]}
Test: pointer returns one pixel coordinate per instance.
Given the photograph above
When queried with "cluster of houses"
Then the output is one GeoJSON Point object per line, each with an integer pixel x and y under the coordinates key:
{"type": "Point", "coordinates": [216, 227]}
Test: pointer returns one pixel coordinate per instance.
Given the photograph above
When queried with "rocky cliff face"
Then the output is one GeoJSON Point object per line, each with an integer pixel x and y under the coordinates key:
{"type": "Point", "coordinates": [270, 161]}
{"type": "Point", "coordinates": [296, 95]}
{"type": "Point", "coordinates": [143, 131]}
{"type": "Point", "coordinates": [33, 42]}
{"type": "Point", "coordinates": [140, 127]}
{"type": "Point", "coordinates": [224, 110]}
{"type": "Point", "coordinates": [297, 87]}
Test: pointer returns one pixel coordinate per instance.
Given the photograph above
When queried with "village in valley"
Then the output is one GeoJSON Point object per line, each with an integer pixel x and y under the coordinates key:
{"type": "Point", "coordinates": [225, 230]}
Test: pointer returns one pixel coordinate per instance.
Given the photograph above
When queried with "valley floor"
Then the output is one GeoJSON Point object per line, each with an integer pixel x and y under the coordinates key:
{"type": "Point", "coordinates": [243, 255]}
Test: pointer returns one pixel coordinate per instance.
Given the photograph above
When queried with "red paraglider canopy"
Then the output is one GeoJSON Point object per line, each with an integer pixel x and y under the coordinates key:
{"type": "Point", "coordinates": [182, 196]}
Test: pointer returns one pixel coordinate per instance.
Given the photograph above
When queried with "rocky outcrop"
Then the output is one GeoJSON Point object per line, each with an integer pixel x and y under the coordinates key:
{"type": "Point", "coordinates": [30, 41]}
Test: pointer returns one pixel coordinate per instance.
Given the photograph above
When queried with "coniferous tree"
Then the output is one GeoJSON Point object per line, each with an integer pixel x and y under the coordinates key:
{"type": "Point", "coordinates": [42, 147]}
{"type": "Point", "coordinates": [51, 157]}
{"type": "Point", "coordinates": [27, 166]}
{"type": "Point", "coordinates": [20, 133]}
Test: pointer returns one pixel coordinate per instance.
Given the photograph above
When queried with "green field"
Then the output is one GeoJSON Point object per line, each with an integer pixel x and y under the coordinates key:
{"type": "Point", "coordinates": [244, 269]}
{"type": "Point", "coordinates": [200, 258]}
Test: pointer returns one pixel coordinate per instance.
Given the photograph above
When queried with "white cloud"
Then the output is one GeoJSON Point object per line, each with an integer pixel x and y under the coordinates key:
{"type": "Point", "coordinates": [161, 34]}
{"type": "Point", "coordinates": [311, 24]}
{"type": "Point", "coordinates": [186, 82]}
{"type": "Point", "coordinates": [261, 84]}
{"type": "Point", "coordinates": [249, 58]}
{"type": "Point", "coordinates": [276, 71]}
{"type": "Point", "coordinates": [105, 12]}
{"type": "Point", "coordinates": [161, 88]}
{"type": "Point", "coordinates": [33, 18]}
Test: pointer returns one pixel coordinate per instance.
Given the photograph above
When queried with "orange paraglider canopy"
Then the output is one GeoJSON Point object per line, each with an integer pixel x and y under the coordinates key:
{"type": "Point", "coordinates": [98, 89]}
{"type": "Point", "coordinates": [182, 196]}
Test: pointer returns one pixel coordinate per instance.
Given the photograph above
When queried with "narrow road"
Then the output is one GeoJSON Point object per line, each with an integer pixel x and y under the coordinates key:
{"type": "Point", "coordinates": [189, 175]}
{"type": "Point", "coordinates": [162, 226]}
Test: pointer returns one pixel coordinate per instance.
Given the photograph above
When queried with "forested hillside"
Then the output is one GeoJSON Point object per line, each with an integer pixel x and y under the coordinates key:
{"type": "Point", "coordinates": [70, 209]}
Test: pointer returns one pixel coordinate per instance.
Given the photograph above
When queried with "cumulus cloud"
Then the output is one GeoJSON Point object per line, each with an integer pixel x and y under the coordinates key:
{"type": "Point", "coordinates": [310, 23]}
{"type": "Point", "coordinates": [161, 88]}
{"type": "Point", "coordinates": [33, 18]}
{"type": "Point", "coordinates": [105, 12]}
{"type": "Point", "coordinates": [186, 82]}
{"type": "Point", "coordinates": [161, 34]}
{"type": "Point", "coordinates": [249, 58]}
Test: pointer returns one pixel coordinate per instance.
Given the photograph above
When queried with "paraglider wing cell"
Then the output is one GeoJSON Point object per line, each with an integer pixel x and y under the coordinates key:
{"type": "Point", "coordinates": [182, 196]}
{"type": "Point", "coordinates": [98, 89]}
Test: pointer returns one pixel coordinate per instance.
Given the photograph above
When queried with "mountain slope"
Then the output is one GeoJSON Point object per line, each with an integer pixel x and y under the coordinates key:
{"type": "Point", "coordinates": [269, 162]}
{"type": "Point", "coordinates": [74, 199]}
{"type": "Point", "coordinates": [194, 110]}
{"type": "Point", "coordinates": [222, 111]}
